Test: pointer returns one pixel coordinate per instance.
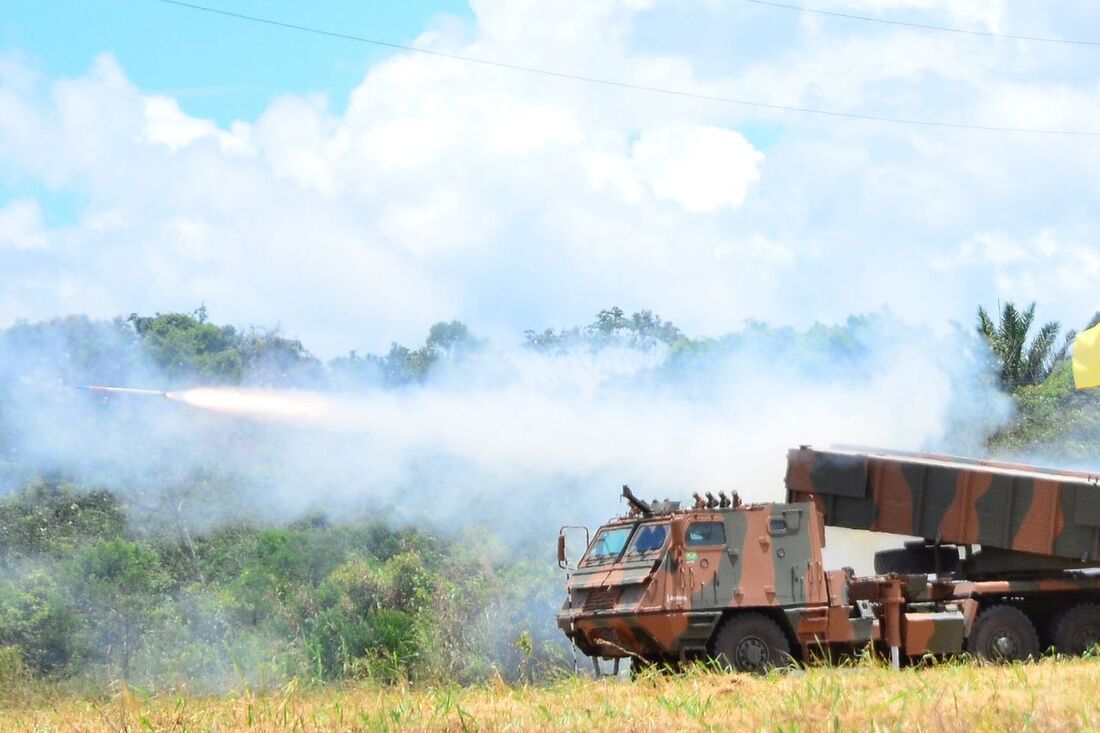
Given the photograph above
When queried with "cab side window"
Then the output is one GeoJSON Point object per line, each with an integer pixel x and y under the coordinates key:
{"type": "Point", "coordinates": [706, 533]}
{"type": "Point", "coordinates": [777, 526]}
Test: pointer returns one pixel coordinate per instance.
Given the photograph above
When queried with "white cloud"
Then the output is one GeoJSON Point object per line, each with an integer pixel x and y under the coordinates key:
{"type": "Point", "coordinates": [607, 172]}
{"type": "Point", "coordinates": [700, 167]}
{"type": "Point", "coordinates": [444, 189]}
{"type": "Point", "coordinates": [166, 123]}
{"type": "Point", "coordinates": [985, 15]}
{"type": "Point", "coordinates": [447, 222]}
{"type": "Point", "coordinates": [993, 248]}
{"type": "Point", "coordinates": [21, 226]}
{"type": "Point", "coordinates": [1040, 268]}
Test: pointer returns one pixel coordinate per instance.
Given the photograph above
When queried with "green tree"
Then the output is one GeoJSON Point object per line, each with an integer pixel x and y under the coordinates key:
{"type": "Point", "coordinates": [446, 341]}
{"type": "Point", "coordinates": [612, 327]}
{"type": "Point", "coordinates": [48, 516]}
{"type": "Point", "coordinates": [120, 586]}
{"type": "Point", "coordinates": [72, 350]}
{"type": "Point", "coordinates": [188, 347]}
{"type": "Point", "coordinates": [273, 360]}
{"type": "Point", "coordinates": [1022, 363]}
{"type": "Point", "coordinates": [35, 617]}
{"type": "Point", "coordinates": [452, 338]}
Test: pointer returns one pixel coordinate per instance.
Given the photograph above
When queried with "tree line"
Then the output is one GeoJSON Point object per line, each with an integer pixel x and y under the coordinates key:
{"type": "Point", "coordinates": [87, 593]}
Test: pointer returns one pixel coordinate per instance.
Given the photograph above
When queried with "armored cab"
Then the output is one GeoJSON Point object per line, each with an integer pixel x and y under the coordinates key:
{"type": "Point", "coordinates": [718, 578]}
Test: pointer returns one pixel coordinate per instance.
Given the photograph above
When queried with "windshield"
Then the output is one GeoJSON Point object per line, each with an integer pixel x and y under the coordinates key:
{"type": "Point", "coordinates": [608, 545]}
{"type": "Point", "coordinates": [649, 538]}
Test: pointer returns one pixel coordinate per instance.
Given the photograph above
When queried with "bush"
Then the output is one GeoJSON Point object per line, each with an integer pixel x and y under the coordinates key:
{"type": "Point", "coordinates": [12, 671]}
{"type": "Point", "coordinates": [54, 517]}
{"type": "Point", "coordinates": [35, 616]}
{"type": "Point", "coordinates": [121, 587]}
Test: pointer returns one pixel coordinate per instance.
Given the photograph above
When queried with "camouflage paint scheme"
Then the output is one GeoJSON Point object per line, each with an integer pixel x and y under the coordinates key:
{"type": "Point", "coordinates": [672, 603]}
{"type": "Point", "coordinates": [669, 604]}
{"type": "Point", "coordinates": [952, 500]}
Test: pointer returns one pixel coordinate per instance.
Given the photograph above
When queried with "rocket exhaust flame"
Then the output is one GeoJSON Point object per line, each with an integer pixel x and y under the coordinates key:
{"type": "Point", "coordinates": [254, 403]}
{"type": "Point", "coordinates": [285, 405]}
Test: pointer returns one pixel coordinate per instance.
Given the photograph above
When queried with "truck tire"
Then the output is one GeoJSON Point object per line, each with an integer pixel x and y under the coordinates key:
{"type": "Point", "coordinates": [1078, 629]}
{"type": "Point", "coordinates": [751, 642]}
{"type": "Point", "coordinates": [1003, 633]}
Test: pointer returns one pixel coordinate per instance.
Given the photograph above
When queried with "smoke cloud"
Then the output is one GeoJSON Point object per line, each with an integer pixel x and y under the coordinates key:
{"type": "Point", "coordinates": [512, 439]}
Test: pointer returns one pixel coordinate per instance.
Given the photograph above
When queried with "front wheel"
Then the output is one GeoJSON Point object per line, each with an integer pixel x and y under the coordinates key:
{"type": "Point", "coordinates": [1003, 634]}
{"type": "Point", "coordinates": [751, 642]}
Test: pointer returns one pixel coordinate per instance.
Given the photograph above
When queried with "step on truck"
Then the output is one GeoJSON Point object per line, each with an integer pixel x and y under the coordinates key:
{"type": "Point", "coordinates": [1005, 566]}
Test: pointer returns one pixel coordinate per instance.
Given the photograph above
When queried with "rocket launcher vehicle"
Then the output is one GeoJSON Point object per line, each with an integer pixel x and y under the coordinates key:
{"type": "Point", "coordinates": [1003, 567]}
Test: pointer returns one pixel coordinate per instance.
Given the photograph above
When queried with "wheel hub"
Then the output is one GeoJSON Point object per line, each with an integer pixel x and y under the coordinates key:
{"type": "Point", "coordinates": [752, 653]}
{"type": "Point", "coordinates": [1005, 645]}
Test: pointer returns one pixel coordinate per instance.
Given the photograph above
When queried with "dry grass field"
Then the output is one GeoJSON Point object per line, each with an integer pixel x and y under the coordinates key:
{"type": "Point", "coordinates": [1053, 695]}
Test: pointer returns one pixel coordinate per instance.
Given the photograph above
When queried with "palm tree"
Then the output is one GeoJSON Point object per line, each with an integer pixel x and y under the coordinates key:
{"type": "Point", "coordinates": [1023, 363]}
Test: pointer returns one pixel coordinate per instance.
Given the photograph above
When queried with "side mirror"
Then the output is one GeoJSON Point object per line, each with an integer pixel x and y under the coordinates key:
{"type": "Point", "coordinates": [563, 533]}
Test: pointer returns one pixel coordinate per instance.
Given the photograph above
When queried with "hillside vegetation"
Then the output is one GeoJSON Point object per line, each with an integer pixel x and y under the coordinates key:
{"type": "Point", "coordinates": [108, 580]}
{"type": "Point", "coordinates": [1054, 422]}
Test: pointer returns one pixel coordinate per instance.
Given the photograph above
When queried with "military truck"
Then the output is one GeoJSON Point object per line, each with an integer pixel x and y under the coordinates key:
{"type": "Point", "coordinates": [1003, 565]}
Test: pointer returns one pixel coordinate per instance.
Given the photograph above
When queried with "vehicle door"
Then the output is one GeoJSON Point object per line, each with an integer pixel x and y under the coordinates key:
{"type": "Point", "coordinates": [706, 562]}
{"type": "Point", "coordinates": [792, 552]}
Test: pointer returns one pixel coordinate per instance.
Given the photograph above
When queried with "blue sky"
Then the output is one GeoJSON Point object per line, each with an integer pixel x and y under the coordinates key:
{"type": "Point", "coordinates": [218, 67]}
{"type": "Point", "coordinates": [154, 158]}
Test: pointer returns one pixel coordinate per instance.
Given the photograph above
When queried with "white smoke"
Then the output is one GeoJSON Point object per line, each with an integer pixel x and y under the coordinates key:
{"type": "Point", "coordinates": [520, 441]}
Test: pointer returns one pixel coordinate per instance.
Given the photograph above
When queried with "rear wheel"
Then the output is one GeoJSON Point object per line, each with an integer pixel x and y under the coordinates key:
{"type": "Point", "coordinates": [751, 642]}
{"type": "Point", "coordinates": [1003, 634]}
{"type": "Point", "coordinates": [1078, 629]}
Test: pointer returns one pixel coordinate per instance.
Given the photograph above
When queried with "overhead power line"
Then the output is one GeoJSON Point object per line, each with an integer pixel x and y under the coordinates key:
{"type": "Point", "coordinates": [923, 26]}
{"type": "Point", "coordinates": [630, 85]}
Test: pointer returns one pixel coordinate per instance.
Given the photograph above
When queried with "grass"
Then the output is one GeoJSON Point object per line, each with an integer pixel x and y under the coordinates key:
{"type": "Point", "coordinates": [1052, 695]}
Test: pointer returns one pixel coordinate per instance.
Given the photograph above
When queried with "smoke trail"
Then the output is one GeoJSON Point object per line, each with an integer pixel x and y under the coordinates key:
{"type": "Point", "coordinates": [516, 440]}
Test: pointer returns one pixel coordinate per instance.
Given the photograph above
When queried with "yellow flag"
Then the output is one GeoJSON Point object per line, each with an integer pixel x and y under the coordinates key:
{"type": "Point", "coordinates": [1086, 358]}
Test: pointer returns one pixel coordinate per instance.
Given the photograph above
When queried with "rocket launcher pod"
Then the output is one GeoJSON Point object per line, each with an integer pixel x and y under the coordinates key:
{"type": "Point", "coordinates": [949, 500]}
